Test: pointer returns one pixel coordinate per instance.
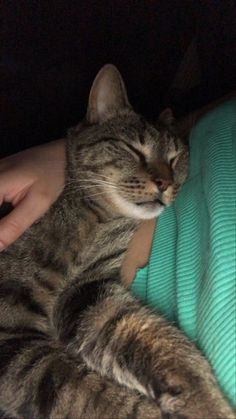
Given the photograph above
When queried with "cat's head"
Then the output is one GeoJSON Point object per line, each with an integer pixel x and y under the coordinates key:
{"type": "Point", "coordinates": [120, 161]}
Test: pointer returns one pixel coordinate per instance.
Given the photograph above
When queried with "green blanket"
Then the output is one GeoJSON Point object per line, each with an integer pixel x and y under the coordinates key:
{"type": "Point", "coordinates": [191, 274]}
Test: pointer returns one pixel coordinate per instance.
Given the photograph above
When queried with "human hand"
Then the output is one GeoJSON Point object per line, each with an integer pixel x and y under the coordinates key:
{"type": "Point", "coordinates": [31, 181]}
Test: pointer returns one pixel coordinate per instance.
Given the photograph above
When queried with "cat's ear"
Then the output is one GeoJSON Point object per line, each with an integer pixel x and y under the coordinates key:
{"type": "Point", "coordinates": [107, 96]}
{"type": "Point", "coordinates": [166, 117]}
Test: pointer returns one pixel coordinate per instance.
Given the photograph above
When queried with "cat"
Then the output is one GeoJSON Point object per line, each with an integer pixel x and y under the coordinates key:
{"type": "Point", "coordinates": [74, 342]}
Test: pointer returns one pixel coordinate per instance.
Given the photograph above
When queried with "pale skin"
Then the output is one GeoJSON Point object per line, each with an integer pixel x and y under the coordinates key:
{"type": "Point", "coordinates": [32, 180]}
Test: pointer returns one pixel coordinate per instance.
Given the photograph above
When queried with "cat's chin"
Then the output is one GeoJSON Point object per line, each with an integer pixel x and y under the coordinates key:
{"type": "Point", "coordinates": [138, 211]}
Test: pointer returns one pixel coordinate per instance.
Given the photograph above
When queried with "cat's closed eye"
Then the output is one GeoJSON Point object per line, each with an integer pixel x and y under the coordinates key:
{"type": "Point", "coordinates": [173, 161]}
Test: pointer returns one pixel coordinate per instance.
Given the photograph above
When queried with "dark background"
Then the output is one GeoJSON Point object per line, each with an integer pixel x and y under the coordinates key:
{"type": "Point", "coordinates": [177, 53]}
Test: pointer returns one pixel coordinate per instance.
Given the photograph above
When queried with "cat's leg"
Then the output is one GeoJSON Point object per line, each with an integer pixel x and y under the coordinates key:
{"type": "Point", "coordinates": [39, 380]}
{"type": "Point", "coordinates": [38, 377]}
{"type": "Point", "coordinates": [121, 339]}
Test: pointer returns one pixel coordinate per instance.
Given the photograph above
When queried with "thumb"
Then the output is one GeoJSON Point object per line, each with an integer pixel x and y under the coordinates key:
{"type": "Point", "coordinates": [20, 218]}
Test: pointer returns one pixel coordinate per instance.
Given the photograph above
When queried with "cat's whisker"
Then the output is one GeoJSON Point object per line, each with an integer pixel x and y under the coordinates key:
{"type": "Point", "coordinates": [94, 185]}
{"type": "Point", "coordinates": [95, 194]}
{"type": "Point", "coordinates": [95, 180]}
{"type": "Point", "coordinates": [91, 181]}
{"type": "Point", "coordinates": [99, 182]}
{"type": "Point", "coordinates": [106, 185]}
{"type": "Point", "coordinates": [100, 175]}
{"type": "Point", "coordinates": [77, 189]}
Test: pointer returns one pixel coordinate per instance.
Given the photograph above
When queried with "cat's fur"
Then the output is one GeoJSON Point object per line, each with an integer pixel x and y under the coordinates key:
{"type": "Point", "coordinates": [74, 343]}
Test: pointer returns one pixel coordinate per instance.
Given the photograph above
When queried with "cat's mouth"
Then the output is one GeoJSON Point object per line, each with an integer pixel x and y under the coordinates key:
{"type": "Point", "coordinates": [141, 209]}
{"type": "Point", "coordinates": [151, 202]}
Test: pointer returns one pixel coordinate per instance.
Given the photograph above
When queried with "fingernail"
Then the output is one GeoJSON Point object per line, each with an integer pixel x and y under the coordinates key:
{"type": "Point", "coordinates": [2, 247]}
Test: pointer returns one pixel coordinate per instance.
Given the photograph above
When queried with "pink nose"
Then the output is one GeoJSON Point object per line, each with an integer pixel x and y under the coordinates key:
{"type": "Point", "coordinates": [163, 184]}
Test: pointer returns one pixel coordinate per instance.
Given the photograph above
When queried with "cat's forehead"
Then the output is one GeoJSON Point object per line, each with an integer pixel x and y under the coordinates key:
{"type": "Point", "coordinates": [131, 129]}
{"type": "Point", "coordinates": [139, 131]}
{"type": "Point", "coordinates": [147, 134]}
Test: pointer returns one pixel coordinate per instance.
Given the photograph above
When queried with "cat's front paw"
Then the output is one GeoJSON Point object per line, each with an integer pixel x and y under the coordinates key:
{"type": "Point", "coordinates": [193, 407]}
{"type": "Point", "coordinates": [186, 395]}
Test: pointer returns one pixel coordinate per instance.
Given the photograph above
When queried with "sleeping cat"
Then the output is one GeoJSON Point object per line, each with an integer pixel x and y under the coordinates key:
{"type": "Point", "coordinates": [74, 343]}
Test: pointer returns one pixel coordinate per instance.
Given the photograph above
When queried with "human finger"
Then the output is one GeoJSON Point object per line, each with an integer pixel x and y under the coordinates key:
{"type": "Point", "coordinates": [29, 210]}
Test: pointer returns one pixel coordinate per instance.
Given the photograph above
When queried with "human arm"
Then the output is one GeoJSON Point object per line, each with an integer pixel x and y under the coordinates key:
{"type": "Point", "coordinates": [31, 181]}
{"type": "Point", "coordinates": [138, 252]}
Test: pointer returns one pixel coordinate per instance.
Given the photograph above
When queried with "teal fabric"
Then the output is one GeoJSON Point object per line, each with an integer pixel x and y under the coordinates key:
{"type": "Point", "coordinates": [191, 274]}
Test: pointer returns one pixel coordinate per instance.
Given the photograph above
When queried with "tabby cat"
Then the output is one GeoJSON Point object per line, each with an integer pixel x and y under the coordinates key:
{"type": "Point", "coordinates": [74, 343]}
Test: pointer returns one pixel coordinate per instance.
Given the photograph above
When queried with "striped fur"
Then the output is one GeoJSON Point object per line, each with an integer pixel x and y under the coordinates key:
{"type": "Point", "coordinates": [74, 343]}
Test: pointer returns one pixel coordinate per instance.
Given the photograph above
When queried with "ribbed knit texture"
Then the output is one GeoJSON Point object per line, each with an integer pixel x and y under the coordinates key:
{"type": "Point", "coordinates": [191, 275]}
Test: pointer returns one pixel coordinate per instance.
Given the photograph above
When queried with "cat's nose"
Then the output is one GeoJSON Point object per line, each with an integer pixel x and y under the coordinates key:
{"type": "Point", "coordinates": [163, 184]}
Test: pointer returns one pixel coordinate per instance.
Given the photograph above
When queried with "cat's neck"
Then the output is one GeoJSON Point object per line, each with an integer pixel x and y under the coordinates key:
{"type": "Point", "coordinates": [86, 219]}
{"type": "Point", "coordinates": [79, 233]}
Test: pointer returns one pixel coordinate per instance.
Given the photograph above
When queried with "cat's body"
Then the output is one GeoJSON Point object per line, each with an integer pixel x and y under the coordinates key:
{"type": "Point", "coordinates": [74, 343]}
